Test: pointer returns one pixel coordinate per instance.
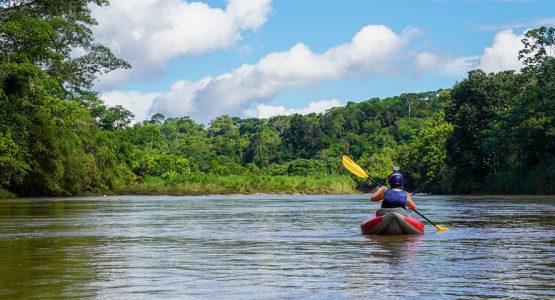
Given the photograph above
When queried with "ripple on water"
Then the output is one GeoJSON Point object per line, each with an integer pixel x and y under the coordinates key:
{"type": "Point", "coordinates": [268, 247]}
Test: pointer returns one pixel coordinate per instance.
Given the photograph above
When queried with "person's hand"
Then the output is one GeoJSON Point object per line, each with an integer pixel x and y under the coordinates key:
{"type": "Point", "coordinates": [378, 194]}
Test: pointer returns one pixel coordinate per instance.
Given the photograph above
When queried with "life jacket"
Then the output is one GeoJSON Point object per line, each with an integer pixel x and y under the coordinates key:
{"type": "Point", "coordinates": [394, 198]}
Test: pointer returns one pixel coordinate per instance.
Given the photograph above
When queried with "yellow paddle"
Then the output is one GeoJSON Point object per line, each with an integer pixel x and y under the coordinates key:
{"type": "Point", "coordinates": [358, 171]}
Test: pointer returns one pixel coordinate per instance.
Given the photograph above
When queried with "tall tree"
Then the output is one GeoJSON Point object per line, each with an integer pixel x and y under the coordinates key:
{"type": "Point", "coordinates": [539, 46]}
{"type": "Point", "coordinates": [44, 33]}
{"type": "Point", "coordinates": [41, 85]}
{"type": "Point", "coordinates": [424, 157]}
{"type": "Point", "coordinates": [474, 104]}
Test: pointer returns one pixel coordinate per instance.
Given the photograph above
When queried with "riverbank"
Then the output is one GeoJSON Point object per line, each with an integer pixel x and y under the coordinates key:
{"type": "Point", "coordinates": [6, 195]}
{"type": "Point", "coordinates": [208, 184]}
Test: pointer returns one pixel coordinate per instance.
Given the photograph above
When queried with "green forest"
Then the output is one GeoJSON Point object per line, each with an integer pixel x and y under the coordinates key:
{"type": "Point", "coordinates": [489, 133]}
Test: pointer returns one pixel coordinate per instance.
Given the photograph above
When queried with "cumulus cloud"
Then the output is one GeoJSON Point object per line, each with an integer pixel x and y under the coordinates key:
{"type": "Point", "coordinates": [459, 66]}
{"type": "Point", "coordinates": [425, 62]}
{"type": "Point", "coordinates": [371, 51]}
{"type": "Point", "coordinates": [264, 111]}
{"type": "Point", "coordinates": [150, 33]}
{"type": "Point", "coordinates": [503, 53]}
{"type": "Point", "coordinates": [375, 49]}
{"type": "Point", "coordinates": [136, 102]}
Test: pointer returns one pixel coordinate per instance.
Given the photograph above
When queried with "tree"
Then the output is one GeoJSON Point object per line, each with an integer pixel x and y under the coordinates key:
{"type": "Point", "coordinates": [424, 157]}
{"type": "Point", "coordinates": [302, 136]}
{"type": "Point", "coordinates": [116, 117]}
{"type": "Point", "coordinates": [473, 105]}
{"type": "Point", "coordinates": [157, 119]}
{"type": "Point", "coordinates": [539, 46]}
{"type": "Point", "coordinates": [107, 118]}
{"type": "Point", "coordinates": [43, 90]}
{"type": "Point", "coordinates": [44, 33]}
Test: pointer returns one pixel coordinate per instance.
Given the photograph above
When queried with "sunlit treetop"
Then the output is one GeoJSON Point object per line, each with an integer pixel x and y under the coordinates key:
{"type": "Point", "coordinates": [49, 33]}
{"type": "Point", "coordinates": [539, 45]}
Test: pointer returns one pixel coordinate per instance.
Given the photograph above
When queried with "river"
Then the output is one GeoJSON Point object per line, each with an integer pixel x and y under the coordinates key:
{"type": "Point", "coordinates": [273, 247]}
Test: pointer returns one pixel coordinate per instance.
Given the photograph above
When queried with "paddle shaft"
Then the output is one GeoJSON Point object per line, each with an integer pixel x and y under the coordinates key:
{"type": "Point", "coordinates": [424, 217]}
{"type": "Point", "coordinates": [374, 181]}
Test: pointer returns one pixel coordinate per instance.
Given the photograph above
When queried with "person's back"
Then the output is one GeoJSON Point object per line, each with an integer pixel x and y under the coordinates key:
{"type": "Point", "coordinates": [394, 197]}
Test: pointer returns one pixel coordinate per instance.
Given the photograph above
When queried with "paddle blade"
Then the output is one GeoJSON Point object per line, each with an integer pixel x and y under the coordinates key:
{"type": "Point", "coordinates": [440, 228]}
{"type": "Point", "coordinates": [353, 167]}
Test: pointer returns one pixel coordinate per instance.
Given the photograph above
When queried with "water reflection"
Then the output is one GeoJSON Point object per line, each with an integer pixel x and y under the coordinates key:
{"type": "Point", "coordinates": [394, 250]}
{"type": "Point", "coordinates": [268, 247]}
{"type": "Point", "coordinates": [44, 254]}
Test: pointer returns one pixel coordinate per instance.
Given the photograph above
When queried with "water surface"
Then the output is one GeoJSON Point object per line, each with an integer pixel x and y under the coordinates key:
{"type": "Point", "coordinates": [272, 247]}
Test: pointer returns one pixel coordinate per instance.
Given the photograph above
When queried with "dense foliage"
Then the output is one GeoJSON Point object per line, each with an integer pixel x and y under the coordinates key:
{"type": "Point", "coordinates": [504, 132]}
{"type": "Point", "coordinates": [49, 141]}
{"type": "Point", "coordinates": [490, 133]}
{"type": "Point", "coordinates": [371, 131]}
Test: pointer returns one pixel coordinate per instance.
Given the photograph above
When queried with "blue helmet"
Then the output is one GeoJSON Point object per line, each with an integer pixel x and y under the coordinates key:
{"type": "Point", "coordinates": [396, 179]}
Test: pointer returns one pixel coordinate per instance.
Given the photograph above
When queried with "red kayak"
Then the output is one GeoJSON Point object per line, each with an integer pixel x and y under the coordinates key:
{"type": "Point", "coordinates": [391, 223]}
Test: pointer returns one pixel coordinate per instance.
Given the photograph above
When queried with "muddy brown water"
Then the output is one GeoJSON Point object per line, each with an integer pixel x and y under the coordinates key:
{"type": "Point", "coordinates": [273, 247]}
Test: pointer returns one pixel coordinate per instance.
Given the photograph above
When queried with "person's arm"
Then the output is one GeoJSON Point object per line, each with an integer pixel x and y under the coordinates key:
{"type": "Point", "coordinates": [411, 203]}
{"type": "Point", "coordinates": [379, 194]}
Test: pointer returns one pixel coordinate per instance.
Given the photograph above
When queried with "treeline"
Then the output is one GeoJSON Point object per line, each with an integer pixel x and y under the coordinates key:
{"type": "Point", "coordinates": [490, 133]}
{"type": "Point", "coordinates": [311, 145]}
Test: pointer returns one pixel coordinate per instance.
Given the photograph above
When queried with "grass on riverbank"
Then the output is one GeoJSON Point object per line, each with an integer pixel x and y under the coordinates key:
{"type": "Point", "coordinates": [6, 195]}
{"type": "Point", "coordinates": [204, 184]}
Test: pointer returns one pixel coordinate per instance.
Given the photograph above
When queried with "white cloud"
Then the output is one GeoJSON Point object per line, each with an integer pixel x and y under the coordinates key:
{"type": "Point", "coordinates": [268, 111]}
{"type": "Point", "coordinates": [375, 49]}
{"type": "Point", "coordinates": [444, 65]}
{"type": "Point", "coordinates": [150, 33]}
{"type": "Point", "coordinates": [180, 100]}
{"type": "Point", "coordinates": [136, 102]}
{"type": "Point", "coordinates": [459, 66]}
{"type": "Point", "coordinates": [425, 62]}
{"type": "Point", "coordinates": [371, 51]}
{"type": "Point", "coordinates": [503, 53]}
{"type": "Point", "coordinates": [249, 14]}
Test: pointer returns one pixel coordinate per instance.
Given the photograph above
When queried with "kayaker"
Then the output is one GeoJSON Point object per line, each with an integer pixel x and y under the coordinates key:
{"type": "Point", "coordinates": [394, 198]}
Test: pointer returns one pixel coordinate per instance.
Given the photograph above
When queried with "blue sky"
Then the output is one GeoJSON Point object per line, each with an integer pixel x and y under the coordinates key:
{"type": "Point", "coordinates": [259, 58]}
